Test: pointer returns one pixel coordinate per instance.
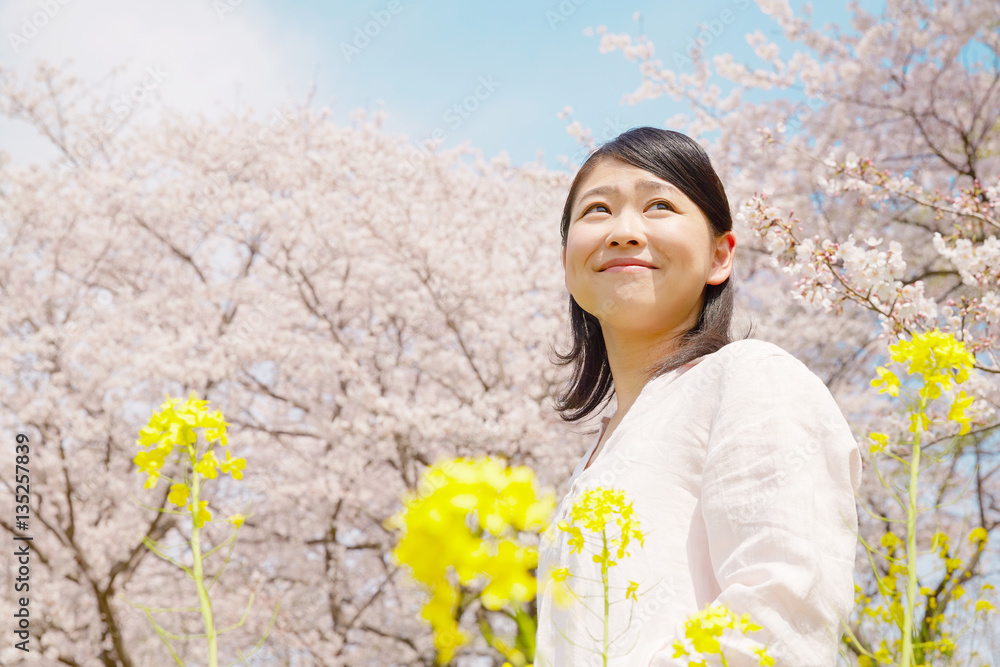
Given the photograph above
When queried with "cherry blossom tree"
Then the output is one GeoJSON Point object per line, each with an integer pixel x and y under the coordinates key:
{"type": "Point", "coordinates": [357, 307]}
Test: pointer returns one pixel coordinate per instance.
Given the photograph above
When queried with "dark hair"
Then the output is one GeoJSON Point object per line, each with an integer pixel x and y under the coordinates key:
{"type": "Point", "coordinates": [677, 159]}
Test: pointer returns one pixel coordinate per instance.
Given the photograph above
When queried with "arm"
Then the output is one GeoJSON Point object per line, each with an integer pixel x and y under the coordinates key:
{"type": "Point", "coordinates": [778, 500]}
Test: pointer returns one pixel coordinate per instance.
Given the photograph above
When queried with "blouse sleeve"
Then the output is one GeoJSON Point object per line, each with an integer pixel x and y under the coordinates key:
{"type": "Point", "coordinates": [782, 469]}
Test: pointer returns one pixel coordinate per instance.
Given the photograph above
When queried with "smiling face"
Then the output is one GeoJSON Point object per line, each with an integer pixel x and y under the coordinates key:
{"type": "Point", "coordinates": [624, 212]}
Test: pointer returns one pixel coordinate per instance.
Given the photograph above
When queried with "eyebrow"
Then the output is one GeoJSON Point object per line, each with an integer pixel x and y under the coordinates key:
{"type": "Point", "coordinates": [640, 185]}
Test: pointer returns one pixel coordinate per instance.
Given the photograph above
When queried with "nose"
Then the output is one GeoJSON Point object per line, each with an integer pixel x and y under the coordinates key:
{"type": "Point", "coordinates": [626, 229]}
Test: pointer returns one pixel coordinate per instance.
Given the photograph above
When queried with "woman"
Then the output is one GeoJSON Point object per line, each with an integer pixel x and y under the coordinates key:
{"type": "Point", "coordinates": [741, 468]}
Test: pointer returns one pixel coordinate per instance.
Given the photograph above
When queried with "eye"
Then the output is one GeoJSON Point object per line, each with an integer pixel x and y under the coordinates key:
{"type": "Point", "coordinates": [668, 207]}
{"type": "Point", "coordinates": [593, 206]}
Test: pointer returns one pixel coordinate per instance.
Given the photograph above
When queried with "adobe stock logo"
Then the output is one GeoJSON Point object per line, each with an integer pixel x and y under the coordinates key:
{"type": "Point", "coordinates": [611, 129]}
{"type": "Point", "coordinates": [223, 7]}
{"type": "Point", "coordinates": [372, 29]}
{"type": "Point", "coordinates": [562, 12]}
{"type": "Point", "coordinates": [709, 31]}
{"type": "Point", "coordinates": [454, 116]}
{"type": "Point", "coordinates": [37, 21]}
{"type": "Point", "coordinates": [121, 108]}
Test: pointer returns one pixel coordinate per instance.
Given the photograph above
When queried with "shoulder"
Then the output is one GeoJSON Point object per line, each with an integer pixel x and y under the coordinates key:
{"type": "Point", "coordinates": [748, 350]}
{"type": "Point", "coordinates": [762, 362]}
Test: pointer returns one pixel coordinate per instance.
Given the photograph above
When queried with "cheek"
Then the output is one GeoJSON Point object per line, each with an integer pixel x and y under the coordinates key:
{"type": "Point", "coordinates": [576, 253]}
{"type": "Point", "coordinates": [686, 247]}
{"type": "Point", "coordinates": [576, 272]}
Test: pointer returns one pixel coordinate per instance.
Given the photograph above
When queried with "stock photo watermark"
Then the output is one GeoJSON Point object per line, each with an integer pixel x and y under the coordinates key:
{"type": "Point", "coordinates": [561, 12]}
{"type": "Point", "coordinates": [32, 25]}
{"type": "Point", "coordinates": [709, 33]}
{"type": "Point", "coordinates": [279, 121]}
{"type": "Point", "coordinates": [454, 116]}
{"type": "Point", "coordinates": [223, 7]}
{"type": "Point", "coordinates": [22, 517]}
{"type": "Point", "coordinates": [363, 35]}
{"type": "Point", "coordinates": [120, 109]}
{"type": "Point", "coordinates": [612, 128]}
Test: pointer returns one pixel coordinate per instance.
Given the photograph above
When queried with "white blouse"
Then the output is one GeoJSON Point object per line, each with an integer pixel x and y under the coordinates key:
{"type": "Point", "coordinates": [742, 473]}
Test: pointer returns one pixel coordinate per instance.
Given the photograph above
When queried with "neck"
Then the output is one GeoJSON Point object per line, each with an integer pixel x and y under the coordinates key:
{"type": "Point", "coordinates": [630, 357]}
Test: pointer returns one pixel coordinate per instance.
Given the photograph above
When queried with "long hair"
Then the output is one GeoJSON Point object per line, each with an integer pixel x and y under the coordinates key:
{"type": "Point", "coordinates": [677, 159]}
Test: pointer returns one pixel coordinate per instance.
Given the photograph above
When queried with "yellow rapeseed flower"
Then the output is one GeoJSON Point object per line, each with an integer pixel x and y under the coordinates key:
{"type": "Point", "coordinates": [178, 494]}
{"type": "Point", "coordinates": [957, 411]}
{"type": "Point", "coordinates": [173, 426]}
{"type": "Point", "coordinates": [888, 380]}
{"type": "Point", "coordinates": [202, 515]}
{"type": "Point", "coordinates": [762, 657]}
{"type": "Point", "coordinates": [703, 628]}
{"type": "Point", "coordinates": [233, 466]}
{"type": "Point", "coordinates": [890, 541]}
{"type": "Point", "coordinates": [208, 465]}
{"type": "Point", "coordinates": [939, 359]}
{"type": "Point", "coordinates": [465, 519]}
{"type": "Point", "coordinates": [630, 592]}
{"type": "Point", "coordinates": [439, 611]}
{"type": "Point", "coordinates": [880, 439]}
{"type": "Point", "coordinates": [562, 596]}
{"type": "Point", "coordinates": [150, 463]}
{"type": "Point", "coordinates": [510, 580]}
{"type": "Point", "coordinates": [920, 421]}
{"type": "Point", "coordinates": [593, 509]}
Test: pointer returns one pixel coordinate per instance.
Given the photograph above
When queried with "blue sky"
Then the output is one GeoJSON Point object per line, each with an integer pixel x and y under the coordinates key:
{"type": "Point", "coordinates": [432, 55]}
{"type": "Point", "coordinates": [527, 60]}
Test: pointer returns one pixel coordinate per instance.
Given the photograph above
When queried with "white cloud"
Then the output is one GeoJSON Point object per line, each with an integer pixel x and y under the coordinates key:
{"type": "Point", "coordinates": [209, 56]}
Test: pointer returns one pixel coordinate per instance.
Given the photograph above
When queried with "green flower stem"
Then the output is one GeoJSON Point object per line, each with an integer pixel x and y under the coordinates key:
{"type": "Point", "coordinates": [604, 578]}
{"type": "Point", "coordinates": [911, 543]}
{"type": "Point", "coordinates": [199, 577]}
{"type": "Point", "coordinates": [486, 629]}
{"type": "Point", "coordinates": [527, 628]}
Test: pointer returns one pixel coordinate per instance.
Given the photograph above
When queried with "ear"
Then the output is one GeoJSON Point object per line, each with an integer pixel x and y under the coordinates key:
{"type": "Point", "coordinates": [722, 262]}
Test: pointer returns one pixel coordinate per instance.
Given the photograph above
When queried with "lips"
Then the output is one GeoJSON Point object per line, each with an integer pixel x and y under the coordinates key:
{"type": "Point", "coordinates": [627, 268]}
{"type": "Point", "coordinates": [626, 261]}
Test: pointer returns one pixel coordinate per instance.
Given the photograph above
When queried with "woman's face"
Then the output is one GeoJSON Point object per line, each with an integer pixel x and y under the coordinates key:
{"type": "Point", "coordinates": [624, 212]}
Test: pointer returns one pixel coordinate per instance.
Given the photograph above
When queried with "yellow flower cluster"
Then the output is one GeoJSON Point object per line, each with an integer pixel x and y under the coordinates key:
{"type": "Point", "coordinates": [938, 358]}
{"type": "Point", "coordinates": [173, 426]}
{"type": "Point", "coordinates": [703, 628]}
{"type": "Point", "coordinates": [891, 612]}
{"type": "Point", "coordinates": [439, 540]}
{"type": "Point", "coordinates": [888, 586]}
{"type": "Point", "coordinates": [591, 512]}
